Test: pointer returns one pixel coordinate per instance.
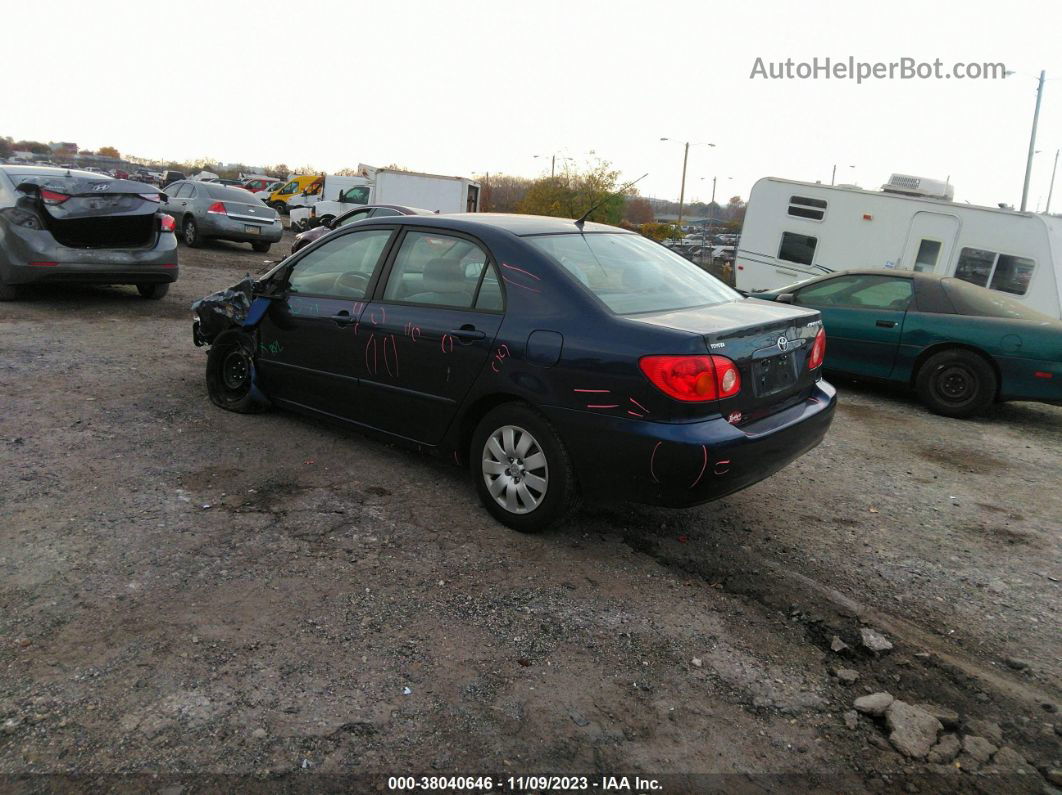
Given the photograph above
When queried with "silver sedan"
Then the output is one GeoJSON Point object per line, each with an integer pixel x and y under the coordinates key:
{"type": "Point", "coordinates": [208, 210]}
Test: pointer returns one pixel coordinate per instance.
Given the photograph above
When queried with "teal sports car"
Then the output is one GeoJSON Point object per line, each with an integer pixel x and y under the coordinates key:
{"type": "Point", "coordinates": [962, 347]}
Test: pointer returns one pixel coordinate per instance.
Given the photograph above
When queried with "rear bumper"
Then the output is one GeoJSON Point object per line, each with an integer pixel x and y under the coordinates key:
{"type": "Point", "coordinates": [683, 464]}
{"type": "Point", "coordinates": [36, 258]}
{"type": "Point", "coordinates": [226, 228]}
{"type": "Point", "coordinates": [1030, 379]}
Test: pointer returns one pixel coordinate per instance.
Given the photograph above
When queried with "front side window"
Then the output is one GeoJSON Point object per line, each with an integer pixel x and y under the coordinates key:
{"type": "Point", "coordinates": [350, 218]}
{"type": "Point", "coordinates": [291, 187]}
{"type": "Point", "coordinates": [928, 253]}
{"type": "Point", "coordinates": [435, 269]}
{"type": "Point", "coordinates": [356, 195]}
{"type": "Point", "coordinates": [797, 248]}
{"type": "Point", "coordinates": [340, 268]}
{"type": "Point", "coordinates": [630, 274]}
{"type": "Point", "coordinates": [856, 291]}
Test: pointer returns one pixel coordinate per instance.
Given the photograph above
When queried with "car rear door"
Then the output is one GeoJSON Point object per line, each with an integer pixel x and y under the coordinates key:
{"type": "Point", "coordinates": [863, 316]}
{"type": "Point", "coordinates": [308, 338]}
{"type": "Point", "coordinates": [429, 333]}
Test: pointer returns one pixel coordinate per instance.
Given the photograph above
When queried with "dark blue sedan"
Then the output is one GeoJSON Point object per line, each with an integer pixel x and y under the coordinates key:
{"type": "Point", "coordinates": [554, 358]}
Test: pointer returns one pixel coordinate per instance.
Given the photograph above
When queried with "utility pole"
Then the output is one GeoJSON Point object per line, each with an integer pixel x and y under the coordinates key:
{"type": "Point", "coordinates": [1032, 142]}
{"type": "Point", "coordinates": [552, 166]}
{"type": "Point", "coordinates": [1051, 190]}
{"type": "Point", "coordinates": [833, 176]}
{"type": "Point", "coordinates": [682, 189]}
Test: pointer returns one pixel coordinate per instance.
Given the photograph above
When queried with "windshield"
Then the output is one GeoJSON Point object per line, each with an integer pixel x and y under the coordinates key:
{"type": "Point", "coordinates": [970, 299]}
{"type": "Point", "coordinates": [631, 274]}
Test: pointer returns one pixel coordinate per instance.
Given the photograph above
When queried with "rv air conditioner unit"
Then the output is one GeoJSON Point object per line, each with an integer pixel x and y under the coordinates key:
{"type": "Point", "coordinates": [919, 186]}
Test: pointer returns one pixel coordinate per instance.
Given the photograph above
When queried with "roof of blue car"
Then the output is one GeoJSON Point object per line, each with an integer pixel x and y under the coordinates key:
{"type": "Point", "coordinates": [516, 224]}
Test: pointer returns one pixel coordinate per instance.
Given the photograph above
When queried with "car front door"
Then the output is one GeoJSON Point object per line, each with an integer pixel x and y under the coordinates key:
{"type": "Point", "coordinates": [308, 338]}
{"type": "Point", "coordinates": [429, 333]}
{"type": "Point", "coordinates": [176, 203]}
{"type": "Point", "coordinates": [863, 315]}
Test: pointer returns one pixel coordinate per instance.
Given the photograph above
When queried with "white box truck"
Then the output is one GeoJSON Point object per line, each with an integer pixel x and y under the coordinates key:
{"type": "Point", "coordinates": [433, 192]}
{"type": "Point", "coordinates": [797, 230]}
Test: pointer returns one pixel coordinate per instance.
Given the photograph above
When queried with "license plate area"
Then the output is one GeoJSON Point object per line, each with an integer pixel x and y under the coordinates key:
{"type": "Point", "coordinates": [773, 374]}
{"type": "Point", "coordinates": [252, 230]}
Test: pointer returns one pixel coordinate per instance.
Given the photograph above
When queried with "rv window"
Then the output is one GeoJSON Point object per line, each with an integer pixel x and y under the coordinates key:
{"type": "Point", "coordinates": [797, 248]}
{"type": "Point", "coordinates": [975, 266]}
{"type": "Point", "coordinates": [804, 207]}
{"type": "Point", "coordinates": [928, 251]}
{"type": "Point", "coordinates": [1012, 274]}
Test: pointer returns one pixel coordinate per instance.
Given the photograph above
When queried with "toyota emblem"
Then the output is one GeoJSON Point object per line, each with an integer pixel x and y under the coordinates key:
{"type": "Point", "coordinates": [783, 344]}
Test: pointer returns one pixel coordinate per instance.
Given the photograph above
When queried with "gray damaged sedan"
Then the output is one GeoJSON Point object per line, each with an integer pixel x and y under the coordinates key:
{"type": "Point", "coordinates": [208, 210]}
{"type": "Point", "coordinates": [67, 226]}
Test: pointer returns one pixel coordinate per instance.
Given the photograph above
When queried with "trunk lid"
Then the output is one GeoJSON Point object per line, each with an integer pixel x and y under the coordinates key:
{"type": "Point", "coordinates": [768, 342]}
{"type": "Point", "coordinates": [241, 204]}
{"type": "Point", "coordinates": [86, 212]}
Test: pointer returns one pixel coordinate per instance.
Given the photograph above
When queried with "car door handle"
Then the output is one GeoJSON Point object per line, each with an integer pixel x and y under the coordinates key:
{"type": "Point", "coordinates": [886, 324]}
{"type": "Point", "coordinates": [467, 333]}
{"type": "Point", "coordinates": [344, 318]}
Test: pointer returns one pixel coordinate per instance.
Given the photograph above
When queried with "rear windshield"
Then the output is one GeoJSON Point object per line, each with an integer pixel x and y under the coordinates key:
{"type": "Point", "coordinates": [631, 274]}
{"type": "Point", "coordinates": [969, 299]}
{"type": "Point", "coordinates": [227, 194]}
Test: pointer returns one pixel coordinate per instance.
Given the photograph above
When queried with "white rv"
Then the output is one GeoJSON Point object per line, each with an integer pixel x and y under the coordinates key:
{"type": "Point", "coordinates": [797, 230]}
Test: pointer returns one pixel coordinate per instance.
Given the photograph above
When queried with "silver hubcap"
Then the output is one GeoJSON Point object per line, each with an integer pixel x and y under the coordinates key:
{"type": "Point", "coordinates": [514, 469]}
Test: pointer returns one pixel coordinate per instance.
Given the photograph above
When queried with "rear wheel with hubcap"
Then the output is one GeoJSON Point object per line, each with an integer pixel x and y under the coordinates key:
{"type": "Point", "coordinates": [956, 383]}
{"type": "Point", "coordinates": [521, 469]}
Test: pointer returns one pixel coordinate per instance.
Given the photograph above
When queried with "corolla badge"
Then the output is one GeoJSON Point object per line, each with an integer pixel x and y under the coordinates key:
{"type": "Point", "coordinates": [783, 344]}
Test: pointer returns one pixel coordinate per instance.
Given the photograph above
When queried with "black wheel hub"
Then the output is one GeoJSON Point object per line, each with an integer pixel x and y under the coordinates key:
{"type": "Point", "coordinates": [955, 384]}
{"type": "Point", "coordinates": [235, 371]}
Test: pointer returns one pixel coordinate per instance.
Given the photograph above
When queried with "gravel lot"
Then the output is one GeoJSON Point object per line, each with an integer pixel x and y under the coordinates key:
{"type": "Point", "coordinates": [188, 592]}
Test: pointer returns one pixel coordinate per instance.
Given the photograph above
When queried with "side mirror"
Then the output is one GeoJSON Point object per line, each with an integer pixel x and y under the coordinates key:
{"type": "Point", "coordinates": [329, 223]}
{"type": "Point", "coordinates": [784, 298]}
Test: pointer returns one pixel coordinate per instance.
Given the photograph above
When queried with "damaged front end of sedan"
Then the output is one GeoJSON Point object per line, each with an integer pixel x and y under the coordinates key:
{"type": "Point", "coordinates": [227, 321]}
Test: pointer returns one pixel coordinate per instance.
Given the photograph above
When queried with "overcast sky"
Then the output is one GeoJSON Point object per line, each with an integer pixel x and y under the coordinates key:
{"type": "Point", "coordinates": [473, 87]}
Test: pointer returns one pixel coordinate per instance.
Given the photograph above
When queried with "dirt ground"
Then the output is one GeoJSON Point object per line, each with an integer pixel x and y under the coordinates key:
{"type": "Point", "coordinates": [190, 593]}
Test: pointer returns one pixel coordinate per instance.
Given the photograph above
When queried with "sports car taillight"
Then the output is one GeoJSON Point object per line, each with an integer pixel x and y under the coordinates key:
{"type": "Point", "coordinates": [693, 379]}
{"type": "Point", "coordinates": [166, 223]}
{"type": "Point", "coordinates": [52, 197]}
{"type": "Point", "coordinates": [818, 350]}
{"type": "Point", "coordinates": [218, 209]}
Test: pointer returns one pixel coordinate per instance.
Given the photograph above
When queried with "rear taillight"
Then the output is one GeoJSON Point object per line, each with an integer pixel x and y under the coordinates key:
{"type": "Point", "coordinates": [693, 379]}
{"type": "Point", "coordinates": [52, 197]}
{"type": "Point", "coordinates": [218, 209]}
{"type": "Point", "coordinates": [818, 350]}
{"type": "Point", "coordinates": [166, 223]}
{"type": "Point", "coordinates": [151, 197]}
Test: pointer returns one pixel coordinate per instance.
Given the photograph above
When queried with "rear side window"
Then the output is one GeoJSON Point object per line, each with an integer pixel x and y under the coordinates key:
{"type": "Point", "coordinates": [806, 207]}
{"type": "Point", "coordinates": [797, 248]}
{"type": "Point", "coordinates": [438, 270]}
{"type": "Point", "coordinates": [184, 190]}
{"type": "Point", "coordinates": [630, 274]}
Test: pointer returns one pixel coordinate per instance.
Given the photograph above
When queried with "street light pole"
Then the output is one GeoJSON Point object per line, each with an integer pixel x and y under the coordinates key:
{"type": "Point", "coordinates": [1032, 142]}
{"type": "Point", "coordinates": [833, 176]}
{"type": "Point", "coordinates": [682, 190]}
{"type": "Point", "coordinates": [1051, 190]}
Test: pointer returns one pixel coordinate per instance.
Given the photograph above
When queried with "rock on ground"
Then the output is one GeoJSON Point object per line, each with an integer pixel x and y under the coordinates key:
{"type": "Point", "coordinates": [875, 641]}
{"type": "Point", "coordinates": [874, 704]}
{"type": "Point", "coordinates": [846, 676]}
{"type": "Point", "coordinates": [945, 750]}
{"type": "Point", "coordinates": [949, 718]}
{"type": "Point", "coordinates": [986, 729]}
{"type": "Point", "coordinates": [914, 731]}
{"type": "Point", "coordinates": [978, 747]}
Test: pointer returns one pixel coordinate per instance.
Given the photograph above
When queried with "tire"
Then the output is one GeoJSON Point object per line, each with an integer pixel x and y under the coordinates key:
{"type": "Point", "coordinates": [548, 495]}
{"type": "Point", "coordinates": [152, 292]}
{"type": "Point", "coordinates": [262, 247]}
{"type": "Point", "coordinates": [956, 383]}
{"type": "Point", "coordinates": [280, 207]}
{"type": "Point", "coordinates": [230, 374]}
{"type": "Point", "coordinates": [190, 233]}
{"type": "Point", "coordinates": [10, 292]}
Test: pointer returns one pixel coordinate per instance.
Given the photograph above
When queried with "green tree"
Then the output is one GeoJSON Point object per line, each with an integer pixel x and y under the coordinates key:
{"type": "Point", "coordinates": [109, 151]}
{"type": "Point", "coordinates": [573, 192]}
